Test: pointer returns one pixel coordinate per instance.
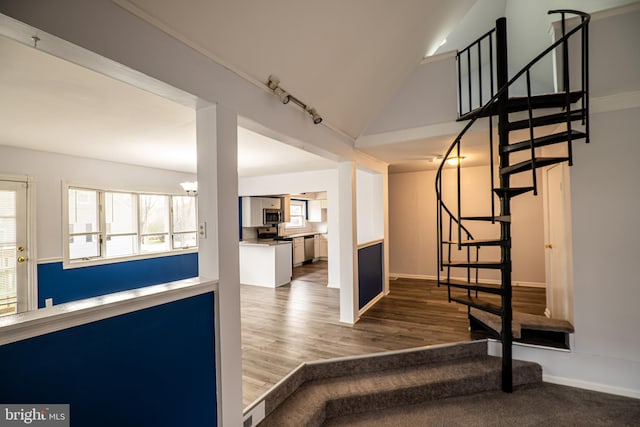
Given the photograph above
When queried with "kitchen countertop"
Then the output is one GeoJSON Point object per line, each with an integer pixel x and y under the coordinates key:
{"type": "Point", "coordinates": [291, 236]}
{"type": "Point", "coordinates": [263, 242]}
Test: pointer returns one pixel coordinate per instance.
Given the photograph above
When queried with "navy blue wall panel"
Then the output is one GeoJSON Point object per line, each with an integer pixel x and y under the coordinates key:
{"type": "Point", "coordinates": [154, 367]}
{"type": "Point", "coordinates": [370, 273]}
{"type": "Point", "coordinates": [86, 282]}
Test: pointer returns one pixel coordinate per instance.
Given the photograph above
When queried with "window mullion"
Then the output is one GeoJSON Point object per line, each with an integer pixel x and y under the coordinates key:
{"type": "Point", "coordinates": [102, 223]}
{"type": "Point", "coordinates": [171, 222]}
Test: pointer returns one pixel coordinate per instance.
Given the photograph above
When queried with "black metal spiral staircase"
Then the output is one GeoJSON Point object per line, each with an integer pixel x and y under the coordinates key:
{"type": "Point", "coordinates": [458, 251]}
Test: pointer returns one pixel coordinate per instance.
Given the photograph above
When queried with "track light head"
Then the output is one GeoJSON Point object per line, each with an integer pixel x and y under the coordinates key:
{"type": "Point", "coordinates": [273, 82]}
{"type": "Point", "coordinates": [283, 95]}
{"type": "Point", "coordinates": [315, 116]}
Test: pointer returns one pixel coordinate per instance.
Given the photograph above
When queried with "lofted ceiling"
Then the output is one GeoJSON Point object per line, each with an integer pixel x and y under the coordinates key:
{"type": "Point", "coordinates": [345, 58]}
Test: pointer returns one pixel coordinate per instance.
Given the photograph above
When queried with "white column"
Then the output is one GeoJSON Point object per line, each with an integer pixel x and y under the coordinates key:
{"type": "Point", "coordinates": [348, 242]}
{"type": "Point", "coordinates": [218, 254]}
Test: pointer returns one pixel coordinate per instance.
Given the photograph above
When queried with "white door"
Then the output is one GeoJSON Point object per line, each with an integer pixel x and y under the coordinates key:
{"type": "Point", "coordinates": [559, 286]}
{"type": "Point", "coordinates": [13, 247]}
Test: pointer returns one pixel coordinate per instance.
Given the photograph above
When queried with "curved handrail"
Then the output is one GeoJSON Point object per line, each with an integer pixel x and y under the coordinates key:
{"type": "Point", "coordinates": [438, 183]}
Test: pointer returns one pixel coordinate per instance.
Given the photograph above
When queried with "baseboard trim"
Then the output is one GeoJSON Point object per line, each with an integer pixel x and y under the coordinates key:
{"type": "Point", "coordinates": [491, 281]}
{"type": "Point", "coordinates": [371, 303]}
{"type": "Point", "coordinates": [602, 388]}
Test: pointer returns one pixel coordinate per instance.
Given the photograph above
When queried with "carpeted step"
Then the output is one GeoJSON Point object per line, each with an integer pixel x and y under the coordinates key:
{"type": "Point", "coordinates": [529, 328]}
{"type": "Point", "coordinates": [356, 392]}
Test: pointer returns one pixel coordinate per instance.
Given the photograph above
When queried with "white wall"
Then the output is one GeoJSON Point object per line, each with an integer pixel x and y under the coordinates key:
{"type": "Point", "coordinates": [412, 224]}
{"type": "Point", "coordinates": [369, 206]}
{"type": "Point", "coordinates": [49, 170]}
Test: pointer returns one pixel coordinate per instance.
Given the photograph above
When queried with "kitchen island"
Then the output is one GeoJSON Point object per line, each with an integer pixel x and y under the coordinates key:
{"type": "Point", "coordinates": [265, 263]}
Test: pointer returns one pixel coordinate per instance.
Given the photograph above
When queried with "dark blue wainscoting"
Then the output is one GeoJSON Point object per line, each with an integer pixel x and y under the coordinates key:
{"type": "Point", "coordinates": [370, 273]}
{"type": "Point", "coordinates": [86, 282]}
{"type": "Point", "coordinates": [154, 367]}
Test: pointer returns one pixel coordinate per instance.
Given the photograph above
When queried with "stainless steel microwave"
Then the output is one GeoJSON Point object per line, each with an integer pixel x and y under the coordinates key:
{"type": "Point", "coordinates": [271, 216]}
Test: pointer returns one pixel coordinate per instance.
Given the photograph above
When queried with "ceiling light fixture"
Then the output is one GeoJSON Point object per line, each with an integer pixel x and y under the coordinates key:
{"type": "Point", "coordinates": [190, 187]}
{"type": "Point", "coordinates": [455, 161]}
{"type": "Point", "coordinates": [274, 84]}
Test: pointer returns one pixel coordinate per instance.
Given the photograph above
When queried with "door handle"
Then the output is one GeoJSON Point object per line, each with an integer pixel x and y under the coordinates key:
{"type": "Point", "coordinates": [21, 259]}
{"type": "Point", "coordinates": [548, 246]}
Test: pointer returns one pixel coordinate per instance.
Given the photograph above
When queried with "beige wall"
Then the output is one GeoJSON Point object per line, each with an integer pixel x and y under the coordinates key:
{"type": "Point", "coordinates": [412, 223]}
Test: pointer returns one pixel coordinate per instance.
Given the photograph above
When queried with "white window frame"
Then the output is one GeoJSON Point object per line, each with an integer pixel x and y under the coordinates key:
{"type": "Point", "coordinates": [297, 202]}
{"type": "Point", "coordinates": [68, 263]}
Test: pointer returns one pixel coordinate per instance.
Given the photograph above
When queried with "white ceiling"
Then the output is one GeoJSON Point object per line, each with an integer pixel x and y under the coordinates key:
{"type": "Point", "coordinates": [345, 58]}
{"type": "Point", "coordinates": [72, 110]}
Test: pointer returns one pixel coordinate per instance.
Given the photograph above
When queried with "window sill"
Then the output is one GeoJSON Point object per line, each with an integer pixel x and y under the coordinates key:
{"type": "Point", "coordinates": [67, 264]}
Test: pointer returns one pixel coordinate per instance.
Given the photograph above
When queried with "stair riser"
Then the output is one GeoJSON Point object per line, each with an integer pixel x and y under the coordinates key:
{"type": "Point", "coordinates": [491, 381]}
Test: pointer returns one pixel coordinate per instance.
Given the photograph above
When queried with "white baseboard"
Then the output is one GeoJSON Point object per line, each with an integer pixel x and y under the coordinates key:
{"type": "Point", "coordinates": [602, 388]}
{"type": "Point", "coordinates": [371, 304]}
{"type": "Point", "coordinates": [490, 281]}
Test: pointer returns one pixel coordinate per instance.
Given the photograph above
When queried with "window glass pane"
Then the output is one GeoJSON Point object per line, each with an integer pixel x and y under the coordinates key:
{"type": "Point", "coordinates": [184, 240]}
{"type": "Point", "coordinates": [83, 211]}
{"type": "Point", "coordinates": [154, 214]}
{"type": "Point", "coordinates": [155, 243]}
{"type": "Point", "coordinates": [184, 214]}
{"type": "Point", "coordinates": [84, 246]}
{"type": "Point", "coordinates": [122, 245]}
{"type": "Point", "coordinates": [120, 213]}
{"type": "Point", "coordinates": [296, 218]}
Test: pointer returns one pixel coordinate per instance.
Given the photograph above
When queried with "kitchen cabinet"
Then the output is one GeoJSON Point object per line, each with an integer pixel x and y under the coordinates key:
{"type": "Point", "coordinates": [317, 211]}
{"type": "Point", "coordinates": [265, 264]}
{"type": "Point", "coordinates": [298, 250]}
{"type": "Point", "coordinates": [252, 209]}
{"type": "Point", "coordinates": [323, 246]}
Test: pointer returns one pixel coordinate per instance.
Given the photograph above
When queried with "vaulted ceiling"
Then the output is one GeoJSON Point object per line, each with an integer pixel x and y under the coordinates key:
{"type": "Point", "coordinates": [345, 58]}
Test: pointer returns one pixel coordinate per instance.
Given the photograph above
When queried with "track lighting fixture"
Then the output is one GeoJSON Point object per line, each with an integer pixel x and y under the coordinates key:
{"type": "Point", "coordinates": [314, 115]}
{"type": "Point", "coordinates": [283, 95]}
{"type": "Point", "coordinates": [274, 84]}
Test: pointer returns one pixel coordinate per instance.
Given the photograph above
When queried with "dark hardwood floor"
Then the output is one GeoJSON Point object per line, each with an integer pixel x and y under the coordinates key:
{"type": "Point", "coordinates": [286, 326]}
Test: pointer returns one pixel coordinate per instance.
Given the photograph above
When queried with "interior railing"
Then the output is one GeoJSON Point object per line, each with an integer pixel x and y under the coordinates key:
{"type": "Point", "coordinates": [470, 55]}
{"type": "Point", "coordinates": [503, 91]}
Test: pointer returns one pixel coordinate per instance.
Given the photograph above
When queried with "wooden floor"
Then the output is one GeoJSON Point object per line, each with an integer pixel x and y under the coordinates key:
{"type": "Point", "coordinates": [286, 326]}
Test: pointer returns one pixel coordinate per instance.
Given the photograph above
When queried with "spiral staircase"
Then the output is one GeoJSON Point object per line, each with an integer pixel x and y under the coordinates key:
{"type": "Point", "coordinates": [459, 260]}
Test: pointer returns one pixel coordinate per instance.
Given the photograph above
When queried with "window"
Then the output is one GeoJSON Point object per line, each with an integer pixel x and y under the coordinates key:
{"type": "Point", "coordinates": [297, 212]}
{"type": "Point", "coordinates": [110, 224]}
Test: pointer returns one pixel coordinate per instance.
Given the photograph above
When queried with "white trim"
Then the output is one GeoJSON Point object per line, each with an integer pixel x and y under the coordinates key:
{"type": "Point", "coordinates": [370, 243]}
{"type": "Point", "coordinates": [31, 324]}
{"type": "Point", "coordinates": [439, 57]}
{"type": "Point", "coordinates": [70, 265]}
{"type": "Point", "coordinates": [370, 304]}
{"type": "Point", "coordinates": [619, 101]}
{"type": "Point", "coordinates": [489, 281]}
{"type": "Point", "coordinates": [572, 382]}
{"type": "Point", "coordinates": [32, 244]}
{"type": "Point", "coordinates": [49, 260]}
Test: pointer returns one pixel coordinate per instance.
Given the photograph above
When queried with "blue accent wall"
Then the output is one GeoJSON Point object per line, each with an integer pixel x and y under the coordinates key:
{"type": "Point", "coordinates": [86, 282]}
{"type": "Point", "coordinates": [153, 367]}
{"type": "Point", "coordinates": [370, 273]}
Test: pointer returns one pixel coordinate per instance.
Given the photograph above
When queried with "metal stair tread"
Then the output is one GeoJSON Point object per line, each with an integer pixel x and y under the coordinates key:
{"type": "Point", "coordinates": [478, 303]}
{"type": "Point", "coordinates": [542, 141]}
{"type": "Point", "coordinates": [548, 119]}
{"type": "Point", "coordinates": [478, 242]}
{"type": "Point", "coordinates": [512, 191]}
{"type": "Point", "coordinates": [480, 286]}
{"type": "Point", "coordinates": [527, 165]}
{"type": "Point", "coordinates": [473, 264]}
{"type": "Point", "coordinates": [520, 103]}
{"type": "Point", "coordinates": [499, 218]}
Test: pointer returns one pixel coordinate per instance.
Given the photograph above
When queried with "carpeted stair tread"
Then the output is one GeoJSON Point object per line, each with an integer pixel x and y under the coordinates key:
{"type": "Point", "coordinates": [315, 400]}
{"type": "Point", "coordinates": [523, 321]}
{"type": "Point", "coordinates": [352, 365]}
